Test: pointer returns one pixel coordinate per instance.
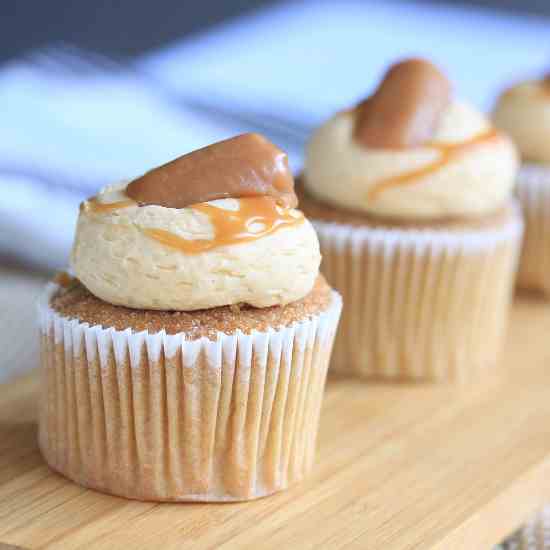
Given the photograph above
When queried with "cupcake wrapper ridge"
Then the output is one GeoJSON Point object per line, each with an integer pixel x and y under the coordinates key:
{"type": "Point", "coordinates": [157, 417]}
{"type": "Point", "coordinates": [419, 304]}
{"type": "Point", "coordinates": [534, 194]}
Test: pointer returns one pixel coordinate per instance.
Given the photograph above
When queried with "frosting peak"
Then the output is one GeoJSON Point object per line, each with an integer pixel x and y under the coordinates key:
{"type": "Point", "coordinates": [137, 246]}
{"type": "Point", "coordinates": [423, 156]}
{"type": "Point", "coordinates": [243, 166]}
{"type": "Point", "coordinates": [523, 111]}
{"type": "Point", "coordinates": [217, 253]}
{"type": "Point", "coordinates": [406, 108]}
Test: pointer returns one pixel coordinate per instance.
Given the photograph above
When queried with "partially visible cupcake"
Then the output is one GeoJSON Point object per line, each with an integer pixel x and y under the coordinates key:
{"type": "Point", "coordinates": [187, 359]}
{"type": "Point", "coordinates": [411, 195]}
{"type": "Point", "coordinates": [524, 112]}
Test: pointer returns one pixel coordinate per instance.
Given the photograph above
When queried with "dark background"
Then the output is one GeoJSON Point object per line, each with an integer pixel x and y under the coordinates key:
{"type": "Point", "coordinates": [130, 27]}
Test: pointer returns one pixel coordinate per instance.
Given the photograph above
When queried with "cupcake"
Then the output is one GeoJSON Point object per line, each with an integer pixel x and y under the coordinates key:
{"type": "Point", "coordinates": [411, 195]}
{"type": "Point", "coordinates": [186, 358]}
{"type": "Point", "coordinates": [524, 112]}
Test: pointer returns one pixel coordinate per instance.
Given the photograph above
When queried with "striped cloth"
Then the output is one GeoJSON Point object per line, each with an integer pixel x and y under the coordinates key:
{"type": "Point", "coordinates": [535, 535]}
{"type": "Point", "coordinates": [65, 134]}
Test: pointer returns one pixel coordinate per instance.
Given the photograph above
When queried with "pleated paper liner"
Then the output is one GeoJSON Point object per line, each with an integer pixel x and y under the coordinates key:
{"type": "Point", "coordinates": [534, 194]}
{"type": "Point", "coordinates": [156, 417]}
{"type": "Point", "coordinates": [420, 304]}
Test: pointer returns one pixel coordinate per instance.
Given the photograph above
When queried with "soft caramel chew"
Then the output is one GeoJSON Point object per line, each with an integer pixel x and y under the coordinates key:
{"type": "Point", "coordinates": [243, 166]}
{"type": "Point", "coordinates": [405, 109]}
{"type": "Point", "coordinates": [76, 302]}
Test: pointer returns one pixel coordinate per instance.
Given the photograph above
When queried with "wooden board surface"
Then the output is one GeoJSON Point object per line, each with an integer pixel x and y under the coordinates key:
{"type": "Point", "coordinates": [399, 467]}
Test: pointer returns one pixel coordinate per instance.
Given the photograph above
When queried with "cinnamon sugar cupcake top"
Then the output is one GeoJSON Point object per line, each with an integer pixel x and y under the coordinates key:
{"type": "Point", "coordinates": [213, 228]}
{"type": "Point", "coordinates": [524, 112]}
{"type": "Point", "coordinates": [411, 151]}
{"type": "Point", "coordinates": [74, 301]}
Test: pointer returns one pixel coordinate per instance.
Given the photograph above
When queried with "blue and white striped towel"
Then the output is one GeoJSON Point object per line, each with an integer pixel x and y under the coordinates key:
{"type": "Point", "coordinates": [62, 137]}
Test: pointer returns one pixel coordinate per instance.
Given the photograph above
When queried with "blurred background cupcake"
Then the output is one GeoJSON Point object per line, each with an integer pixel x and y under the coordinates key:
{"type": "Point", "coordinates": [523, 111]}
{"type": "Point", "coordinates": [411, 194]}
{"type": "Point", "coordinates": [187, 360]}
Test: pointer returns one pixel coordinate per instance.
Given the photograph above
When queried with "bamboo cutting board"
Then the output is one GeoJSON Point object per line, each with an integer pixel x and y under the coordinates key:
{"type": "Point", "coordinates": [399, 467]}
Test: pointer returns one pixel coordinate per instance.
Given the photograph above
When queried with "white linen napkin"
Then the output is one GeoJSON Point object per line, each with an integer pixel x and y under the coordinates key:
{"type": "Point", "coordinates": [304, 60]}
{"type": "Point", "coordinates": [64, 136]}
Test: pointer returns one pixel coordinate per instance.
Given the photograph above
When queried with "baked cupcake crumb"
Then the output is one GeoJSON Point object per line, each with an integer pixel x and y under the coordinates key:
{"type": "Point", "coordinates": [76, 302]}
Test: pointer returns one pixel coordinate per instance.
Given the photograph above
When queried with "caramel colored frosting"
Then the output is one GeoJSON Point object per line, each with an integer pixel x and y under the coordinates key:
{"type": "Point", "coordinates": [411, 151]}
{"type": "Point", "coordinates": [447, 152]}
{"type": "Point", "coordinates": [213, 228]}
{"type": "Point", "coordinates": [243, 166]}
{"type": "Point", "coordinates": [256, 217]}
{"type": "Point", "coordinates": [250, 250]}
{"type": "Point", "coordinates": [523, 111]}
{"type": "Point", "coordinates": [406, 109]}
{"type": "Point", "coordinates": [323, 212]}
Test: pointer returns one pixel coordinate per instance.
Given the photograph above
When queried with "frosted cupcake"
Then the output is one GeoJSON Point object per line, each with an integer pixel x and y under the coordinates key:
{"type": "Point", "coordinates": [187, 359]}
{"type": "Point", "coordinates": [411, 196]}
{"type": "Point", "coordinates": [524, 112]}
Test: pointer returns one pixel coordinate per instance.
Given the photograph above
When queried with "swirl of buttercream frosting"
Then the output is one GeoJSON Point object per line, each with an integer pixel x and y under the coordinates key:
{"type": "Point", "coordinates": [454, 165]}
{"type": "Point", "coordinates": [523, 111]}
{"type": "Point", "coordinates": [164, 248]}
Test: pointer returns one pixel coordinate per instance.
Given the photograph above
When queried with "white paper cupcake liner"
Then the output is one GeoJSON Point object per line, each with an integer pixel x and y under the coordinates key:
{"type": "Point", "coordinates": [533, 191]}
{"type": "Point", "coordinates": [424, 304]}
{"type": "Point", "coordinates": [156, 417]}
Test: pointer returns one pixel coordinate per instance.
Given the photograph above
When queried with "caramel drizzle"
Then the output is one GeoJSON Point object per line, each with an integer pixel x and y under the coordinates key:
{"type": "Point", "coordinates": [448, 151]}
{"type": "Point", "coordinates": [232, 227]}
{"type": "Point", "coordinates": [95, 206]}
{"type": "Point", "coordinates": [63, 279]}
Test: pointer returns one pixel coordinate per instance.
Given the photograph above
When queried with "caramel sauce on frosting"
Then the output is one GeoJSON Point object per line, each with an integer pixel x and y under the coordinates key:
{"type": "Point", "coordinates": [64, 280]}
{"type": "Point", "coordinates": [256, 218]}
{"type": "Point", "coordinates": [102, 207]}
{"type": "Point", "coordinates": [192, 237]}
{"type": "Point", "coordinates": [247, 167]}
{"type": "Point", "coordinates": [439, 155]}
{"type": "Point", "coordinates": [447, 152]}
{"type": "Point", "coordinates": [406, 108]}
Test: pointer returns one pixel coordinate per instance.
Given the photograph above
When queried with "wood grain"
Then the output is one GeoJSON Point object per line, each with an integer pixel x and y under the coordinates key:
{"type": "Point", "coordinates": [399, 467]}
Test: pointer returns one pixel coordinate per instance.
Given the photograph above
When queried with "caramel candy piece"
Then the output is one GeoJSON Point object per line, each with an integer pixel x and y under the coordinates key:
{"type": "Point", "coordinates": [243, 166]}
{"type": "Point", "coordinates": [405, 109]}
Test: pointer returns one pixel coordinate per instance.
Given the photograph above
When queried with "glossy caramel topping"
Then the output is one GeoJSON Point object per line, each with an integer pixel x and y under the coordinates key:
{"type": "Point", "coordinates": [447, 152]}
{"type": "Point", "coordinates": [244, 166]}
{"type": "Point", "coordinates": [94, 205]}
{"type": "Point", "coordinates": [256, 218]}
{"type": "Point", "coordinates": [405, 109]}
